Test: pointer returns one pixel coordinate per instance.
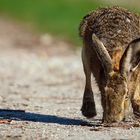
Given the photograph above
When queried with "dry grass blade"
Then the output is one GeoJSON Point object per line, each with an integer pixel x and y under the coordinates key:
{"type": "Point", "coordinates": [5, 121]}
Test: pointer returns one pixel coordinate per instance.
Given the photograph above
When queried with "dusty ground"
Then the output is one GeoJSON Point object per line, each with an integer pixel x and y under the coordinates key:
{"type": "Point", "coordinates": [41, 89]}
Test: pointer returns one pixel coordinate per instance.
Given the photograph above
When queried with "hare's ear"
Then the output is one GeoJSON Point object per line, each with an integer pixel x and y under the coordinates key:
{"type": "Point", "coordinates": [135, 62]}
{"type": "Point", "coordinates": [102, 54]}
{"type": "Point", "coordinates": [131, 58]}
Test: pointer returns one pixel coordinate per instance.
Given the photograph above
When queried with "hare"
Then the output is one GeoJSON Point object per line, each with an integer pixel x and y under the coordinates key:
{"type": "Point", "coordinates": [111, 52]}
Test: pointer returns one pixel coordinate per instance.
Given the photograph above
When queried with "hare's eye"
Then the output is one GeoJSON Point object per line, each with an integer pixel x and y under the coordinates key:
{"type": "Point", "coordinates": [126, 98]}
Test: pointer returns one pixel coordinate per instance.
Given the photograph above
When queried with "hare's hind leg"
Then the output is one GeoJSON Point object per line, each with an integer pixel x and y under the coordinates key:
{"type": "Point", "coordinates": [135, 98]}
{"type": "Point", "coordinates": [88, 108]}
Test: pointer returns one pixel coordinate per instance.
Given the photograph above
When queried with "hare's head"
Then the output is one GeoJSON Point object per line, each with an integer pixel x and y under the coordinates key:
{"type": "Point", "coordinates": [116, 85]}
{"type": "Point", "coordinates": [116, 93]}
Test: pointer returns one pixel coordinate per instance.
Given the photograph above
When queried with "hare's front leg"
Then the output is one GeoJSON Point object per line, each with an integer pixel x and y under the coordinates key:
{"type": "Point", "coordinates": [136, 101]}
{"type": "Point", "coordinates": [136, 93]}
{"type": "Point", "coordinates": [88, 108]}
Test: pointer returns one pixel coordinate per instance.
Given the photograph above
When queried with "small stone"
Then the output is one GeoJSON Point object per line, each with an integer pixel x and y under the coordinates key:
{"type": "Point", "coordinates": [1, 98]}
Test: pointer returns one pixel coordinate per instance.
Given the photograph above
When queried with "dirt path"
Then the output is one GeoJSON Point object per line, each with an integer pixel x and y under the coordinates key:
{"type": "Point", "coordinates": [41, 85]}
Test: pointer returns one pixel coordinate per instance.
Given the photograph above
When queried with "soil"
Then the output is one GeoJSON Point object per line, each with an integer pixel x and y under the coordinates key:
{"type": "Point", "coordinates": [41, 89]}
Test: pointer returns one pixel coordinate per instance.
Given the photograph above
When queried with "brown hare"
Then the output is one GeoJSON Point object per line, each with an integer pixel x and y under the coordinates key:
{"type": "Point", "coordinates": [111, 51]}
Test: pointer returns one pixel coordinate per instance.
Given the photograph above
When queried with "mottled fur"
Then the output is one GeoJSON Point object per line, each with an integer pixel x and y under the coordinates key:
{"type": "Point", "coordinates": [116, 28]}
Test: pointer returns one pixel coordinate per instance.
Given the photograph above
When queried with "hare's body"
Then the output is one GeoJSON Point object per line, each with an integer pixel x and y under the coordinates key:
{"type": "Point", "coordinates": [106, 35]}
{"type": "Point", "coordinates": [115, 27]}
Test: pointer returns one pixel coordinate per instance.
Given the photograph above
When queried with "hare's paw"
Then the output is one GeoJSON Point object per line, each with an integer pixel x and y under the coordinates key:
{"type": "Point", "coordinates": [136, 108]}
{"type": "Point", "coordinates": [88, 108]}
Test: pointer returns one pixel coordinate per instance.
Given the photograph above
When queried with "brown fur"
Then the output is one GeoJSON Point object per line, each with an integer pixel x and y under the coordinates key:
{"type": "Point", "coordinates": [134, 88]}
{"type": "Point", "coordinates": [116, 56]}
{"type": "Point", "coordinates": [116, 28]}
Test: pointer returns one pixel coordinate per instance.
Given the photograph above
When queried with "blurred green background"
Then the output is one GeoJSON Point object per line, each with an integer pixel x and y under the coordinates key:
{"type": "Point", "coordinates": [58, 17]}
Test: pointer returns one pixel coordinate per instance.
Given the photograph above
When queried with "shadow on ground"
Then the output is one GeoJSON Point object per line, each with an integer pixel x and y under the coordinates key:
{"type": "Point", "coordinates": [21, 115]}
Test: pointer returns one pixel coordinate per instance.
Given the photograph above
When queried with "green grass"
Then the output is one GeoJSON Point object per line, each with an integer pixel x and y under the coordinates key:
{"type": "Point", "coordinates": [58, 17]}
